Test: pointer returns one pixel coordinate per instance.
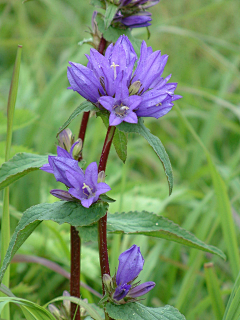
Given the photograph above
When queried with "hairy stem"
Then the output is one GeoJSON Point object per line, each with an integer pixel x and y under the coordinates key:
{"type": "Point", "coordinates": [102, 224]}
{"type": "Point", "coordinates": [75, 271]}
{"type": "Point", "coordinates": [75, 239]}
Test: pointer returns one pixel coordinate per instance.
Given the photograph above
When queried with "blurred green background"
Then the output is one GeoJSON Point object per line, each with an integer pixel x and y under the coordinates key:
{"type": "Point", "coordinates": [202, 41]}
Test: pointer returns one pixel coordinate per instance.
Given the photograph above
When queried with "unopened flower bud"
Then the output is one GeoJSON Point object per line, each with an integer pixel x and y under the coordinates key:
{"type": "Point", "coordinates": [66, 139]}
{"type": "Point", "coordinates": [101, 176]}
{"type": "Point", "coordinates": [54, 310]}
{"type": "Point", "coordinates": [83, 311]}
{"type": "Point", "coordinates": [134, 87]}
{"type": "Point", "coordinates": [77, 149]}
{"type": "Point", "coordinates": [107, 280]}
{"type": "Point", "coordinates": [66, 303]}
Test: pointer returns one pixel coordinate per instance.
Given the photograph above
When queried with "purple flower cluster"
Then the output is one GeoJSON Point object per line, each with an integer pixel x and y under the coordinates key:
{"type": "Point", "coordinates": [110, 82]}
{"type": "Point", "coordinates": [130, 265]}
{"type": "Point", "coordinates": [133, 14]}
{"type": "Point", "coordinates": [82, 186]}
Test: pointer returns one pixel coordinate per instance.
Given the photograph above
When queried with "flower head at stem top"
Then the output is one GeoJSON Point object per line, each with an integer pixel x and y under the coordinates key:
{"type": "Point", "coordinates": [121, 289]}
{"type": "Point", "coordinates": [148, 94]}
{"type": "Point", "coordinates": [103, 73]}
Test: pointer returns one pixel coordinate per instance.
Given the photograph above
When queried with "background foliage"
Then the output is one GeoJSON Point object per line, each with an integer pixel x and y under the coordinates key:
{"type": "Point", "coordinates": [201, 39]}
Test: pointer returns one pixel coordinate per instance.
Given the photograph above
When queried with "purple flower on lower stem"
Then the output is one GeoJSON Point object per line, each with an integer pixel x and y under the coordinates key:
{"type": "Point", "coordinates": [86, 187]}
{"type": "Point", "coordinates": [121, 288]}
{"type": "Point", "coordinates": [82, 186]}
{"type": "Point", "coordinates": [62, 163]}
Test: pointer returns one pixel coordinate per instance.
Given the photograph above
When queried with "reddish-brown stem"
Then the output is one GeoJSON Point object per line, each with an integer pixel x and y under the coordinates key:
{"type": "Point", "coordinates": [75, 271]}
{"type": "Point", "coordinates": [75, 239]}
{"type": "Point", "coordinates": [102, 224]}
{"type": "Point", "coordinates": [83, 126]}
{"type": "Point", "coordinates": [102, 45]}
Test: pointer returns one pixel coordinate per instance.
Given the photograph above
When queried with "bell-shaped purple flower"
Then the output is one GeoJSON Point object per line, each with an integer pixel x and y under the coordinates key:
{"type": "Point", "coordinates": [62, 163]}
{"type": "Point", "coordinates": [112, 75]}
{"type": "Point", "coordinates": [130, 265]}
{"type": "Point", "coordinates": [103, 74]}
{"type": "Point", "coordinates": [86, 187]}
{"type": "Point", "coordinates": [82, 186]}
{"type": "Point", "coordinates": [121, 107]}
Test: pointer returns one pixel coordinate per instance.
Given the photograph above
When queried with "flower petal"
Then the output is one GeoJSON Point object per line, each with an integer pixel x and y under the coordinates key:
{"type": "Point", "coordinates": [102, 187]}
{"type": "Point", "coordinates": [131, 117]}
{"type": "Point", "coordinates": [130, 265]}
{"type": "Point", "coordinates": [121, 292]}
{"type": "Point", "coordinates": [107, 102]}
{"type": "Point", "coordinates": [91, 175]}
{"type": "Point", "coordinates": [47, 168]}
{"type": "Point", "coordinates": [141, 289]}
{"type": "Point", "coordinates": [114, 120]}
{"type": "Point", "coordinates": [83, 80]}
{"type": "Point", "coordinates": [62, 194]}
{"type": "Point", "coordinates": [87, 202]}
{"type": "Point", "coordinates": [63, 153]}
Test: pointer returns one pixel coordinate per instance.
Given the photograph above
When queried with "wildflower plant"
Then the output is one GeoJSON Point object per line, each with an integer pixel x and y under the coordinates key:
{"type": "Point", "coordinates": [122, 86]}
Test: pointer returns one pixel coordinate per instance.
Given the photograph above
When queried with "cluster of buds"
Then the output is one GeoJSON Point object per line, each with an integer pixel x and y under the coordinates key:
{"type": "Point", "coordinates": [67, 142]}
{"type": "Point", "coordinates": [133, 14]}
{"type": "Point", "coordinates": [121, 288]}
{"type": "Point", "coordinates": [112, 83]}
{"type": "Point", "coordinates": [64, 311]}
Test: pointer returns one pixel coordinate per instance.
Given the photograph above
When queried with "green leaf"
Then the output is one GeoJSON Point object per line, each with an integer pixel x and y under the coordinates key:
{"type": "Point", "coordinates": [22, 119]}
{"type": "Point", "coordinates": [14, 150]}
{"type": "Point", "coordinates": [155, 143]}
{"type": "Point", "coordinates": [150, 224]}
{"type": "Point", "coordinates": [119, 139]}
{"type": "Point", "coordinates": [37, 312]}
{"type": "Point", "coordinates": [232, 311]}
{"type": "Point", "coordinates": [214, 291]}
{"type": "Point", "coordinates": [111, 34]}
{"type": "Point", "coordinates": [137, 311]}
{"type": "Point", "coordinates": [84, 107]}
{"type": "Point", "coordinates": [61, 212]}
{"type": "Point", "coordinates": [110, 14]}
{"type": "Point", "coordinates": [20, 165]}
{"type": "Point", "coordinates": [88, 233]}
{"type": "Point", "coordinates": [98, 3]}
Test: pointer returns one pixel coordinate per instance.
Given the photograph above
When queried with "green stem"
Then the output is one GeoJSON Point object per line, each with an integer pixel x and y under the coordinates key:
{"type": "Point", "coordinates": [5, 226]}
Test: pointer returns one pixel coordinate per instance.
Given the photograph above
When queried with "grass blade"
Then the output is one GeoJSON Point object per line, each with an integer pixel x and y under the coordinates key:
{"type": "Point", "coordinates": [214, 291]}
{"type": "Point", "coordinates": [224, 206]}
{"type": "Point", "coordinates": [5, 226]}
